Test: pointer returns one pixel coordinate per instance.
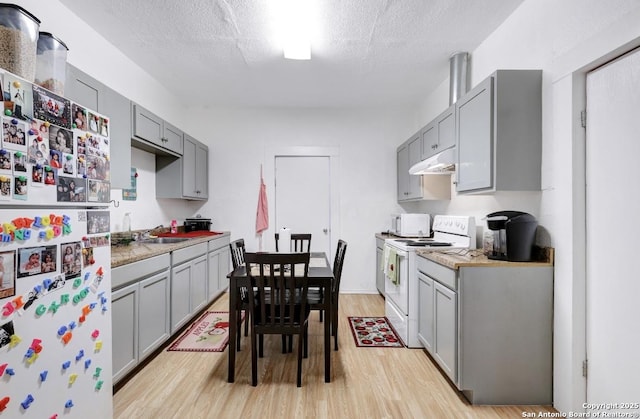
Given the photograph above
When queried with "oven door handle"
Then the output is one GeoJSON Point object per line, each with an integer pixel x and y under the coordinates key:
{"type": "Point", "coordinates": [401, 254]}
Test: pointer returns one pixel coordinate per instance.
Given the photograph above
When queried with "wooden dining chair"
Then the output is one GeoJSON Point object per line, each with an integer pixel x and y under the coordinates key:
{"type": "Point", "coordinates": [237, 251]}
{"type": "Point", "coordinates": [277, 301]}
{"type": "Point", "coordinates": [316, 296]}
{"type": "Point", "coordinates": [300, 242]}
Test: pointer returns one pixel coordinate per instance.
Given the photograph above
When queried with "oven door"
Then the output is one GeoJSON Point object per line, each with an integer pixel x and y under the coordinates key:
{"type": "Point", "coordinates": [398, 291]}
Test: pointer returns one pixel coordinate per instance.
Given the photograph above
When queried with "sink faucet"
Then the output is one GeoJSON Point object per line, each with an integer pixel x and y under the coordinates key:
{"type": "Point", "coordinates": [143, 235]}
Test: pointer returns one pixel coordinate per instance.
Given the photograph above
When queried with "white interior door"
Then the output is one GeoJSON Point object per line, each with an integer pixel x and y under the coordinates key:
{"type": "Point", "coordinates": [303, 198]}
{"type": "Point", "coordinates": [613, 205]}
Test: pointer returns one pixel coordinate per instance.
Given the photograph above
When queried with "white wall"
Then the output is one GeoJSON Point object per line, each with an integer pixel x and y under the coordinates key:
{"type": "Point", "coordinates": [564, 39]}
{"type": "Point", "coordinates": [241, 139]}
{"type": "Point", "coordinates": [147, 211]}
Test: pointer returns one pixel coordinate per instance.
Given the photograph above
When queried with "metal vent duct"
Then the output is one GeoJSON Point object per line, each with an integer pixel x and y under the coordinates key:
{"type": "Point", "coordinates": [458, 77]}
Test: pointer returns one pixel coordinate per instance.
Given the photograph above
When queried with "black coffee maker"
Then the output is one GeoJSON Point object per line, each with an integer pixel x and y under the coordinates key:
{"type": "Point", "coordinates": [514, 234]}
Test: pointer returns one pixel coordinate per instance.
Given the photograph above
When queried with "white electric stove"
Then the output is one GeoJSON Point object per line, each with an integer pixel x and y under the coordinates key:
{"type": "Point", "coordinates": [401, 294]}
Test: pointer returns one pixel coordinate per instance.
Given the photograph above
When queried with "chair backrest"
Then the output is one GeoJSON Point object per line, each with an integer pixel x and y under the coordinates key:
{"type": "Point", "coordinates": [237, 252]}
{"type": "Point", "coordinates": [298, 242]}
{"type": "Point", "coordinates": [278, 291]}
{"type": "Point", "coordinates": [338, 262]}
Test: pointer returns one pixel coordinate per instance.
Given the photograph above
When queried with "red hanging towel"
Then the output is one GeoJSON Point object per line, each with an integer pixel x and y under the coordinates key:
{"type": "Point", "coordinates": [262, 214]}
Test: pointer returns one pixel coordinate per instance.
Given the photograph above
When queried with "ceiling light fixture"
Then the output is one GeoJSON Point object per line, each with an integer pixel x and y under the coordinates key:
{"type": "Point", "coordinates": [294, 23]}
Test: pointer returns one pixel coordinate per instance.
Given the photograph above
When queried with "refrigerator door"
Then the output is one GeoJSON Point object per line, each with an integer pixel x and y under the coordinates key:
{"type": "Point", "coordinates": [55, 320]}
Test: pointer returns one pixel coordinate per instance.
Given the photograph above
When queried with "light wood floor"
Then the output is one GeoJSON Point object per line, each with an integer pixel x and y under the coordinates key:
{"type": "Point", "coordinates": [366, 382]}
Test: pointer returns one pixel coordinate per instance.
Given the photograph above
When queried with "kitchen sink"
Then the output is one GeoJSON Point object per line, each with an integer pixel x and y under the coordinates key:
{"type": "Point", "coordinates": [164, 240]}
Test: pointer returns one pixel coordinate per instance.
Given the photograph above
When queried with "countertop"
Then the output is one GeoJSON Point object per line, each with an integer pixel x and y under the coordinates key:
{"type": "Point", "coordinates": [384, 236]}
{"type": "Point", "coordinates": [133, 252]}
{"type": "Point", "coordinates": [475, 258]}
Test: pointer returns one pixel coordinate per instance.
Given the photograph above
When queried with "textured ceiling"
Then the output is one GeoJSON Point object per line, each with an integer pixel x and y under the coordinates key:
{"type": "Point", "coordinates": [363, 52]}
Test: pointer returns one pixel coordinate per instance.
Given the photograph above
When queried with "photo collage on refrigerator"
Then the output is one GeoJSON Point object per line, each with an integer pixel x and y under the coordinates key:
{"type": "Point", "coordinates": [51, 143]}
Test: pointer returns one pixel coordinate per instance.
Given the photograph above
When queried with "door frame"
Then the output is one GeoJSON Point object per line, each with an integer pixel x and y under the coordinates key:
{"type": "Point", "coordinates": [569, 84]}
{"type": "Point", "coordinates": [610, 58]}
{"type": "Point", "coordinates": [333, 153]}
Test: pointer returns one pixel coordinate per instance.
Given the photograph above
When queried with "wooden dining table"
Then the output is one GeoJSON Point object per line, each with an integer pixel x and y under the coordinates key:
{"type": "Point", "coordinates": [320, 275]}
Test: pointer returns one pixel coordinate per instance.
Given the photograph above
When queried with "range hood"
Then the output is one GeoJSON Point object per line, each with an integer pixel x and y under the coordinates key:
{"type": "Point", "coordinates": [441, 163]}
{"type": "Point", "coordinates": [445, 161]}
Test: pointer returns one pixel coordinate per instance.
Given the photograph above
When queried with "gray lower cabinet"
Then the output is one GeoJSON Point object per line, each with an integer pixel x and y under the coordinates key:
{"type": "Point", "coordinates": [153, 298]}
{"type": "Point", "coordinates": [224, 269]}
{"type": "Point", "coordinates": [140, 311]}
{"type": "Point", "coordinates": [199, 297]}
{"type": "Point", "coordinates": [426, 324]}
{"type": "Point", "coordinates": [180, 295]}
{"type": "Point", "coordinates": [445, 328]}
{"type": "Point", "coordinates": [213, 288]}
{"type": "Point", "coordinates": [188, 283]}
{"type": "Point", "coordinates": [437, 326]}
{"type": "Point", "coordinates": [218, 266]}
{"type": "Point", "coordinates": [186, 177]}
{"type": "Point", "coordinates": [153, 315]}
{"type": "Point", "coordinates": [499, 133]}
{"type": "Point", "coordinates": [490, 329]}
{"type": "Point", "coordinates": [379, 273]}
{"type": "Point", "coordinates": [152, 133]}
{"type": "Point", "coordinates": [89, 92]}
{"type": "Point", "coordinates": [124, 319]}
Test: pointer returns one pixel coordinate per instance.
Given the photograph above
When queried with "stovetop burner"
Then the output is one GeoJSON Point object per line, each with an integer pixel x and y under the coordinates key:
{"type": "Point", "coordinates": [429, 244]}
{"type": "Point", "coordinates": [449, 232]}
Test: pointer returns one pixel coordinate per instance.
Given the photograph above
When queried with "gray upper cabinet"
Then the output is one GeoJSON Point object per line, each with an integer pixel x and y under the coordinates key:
{"type": "Point", "coordinates": [402, 157]}
{"type": "Point", "coordinates": [116, 107]}
{"type": "Point", "coordinates": [82, 88]}
{"type": "Point", "coordinates": [195, 170]}
{"type": "Point", "coordinates": [408, 154]}
{"type": "Point", "coordinates": [429, 136]}
{"type": "Point", "coordinates": [153, 134]}
{"type": "Point", "coordinates": [415, 182]}
{"type": "Point", "coordinates": [89, 92]}
{"type": "Point", "coordinates": [439, 134]}
{"type": "Point", "coordinates": [412, 187]}
{"type": "Point", "coordinates": [499, 133]}
{"type": "Point", "coordinates": [173, 137]}
{"type": "Point", "coordinates": [186, 177]}
{"type": "Point", "coordinates": [447, 129]}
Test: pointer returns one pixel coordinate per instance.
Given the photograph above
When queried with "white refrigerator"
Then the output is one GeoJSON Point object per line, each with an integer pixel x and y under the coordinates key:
{"type": "Point", "coordinates": [55, 257]}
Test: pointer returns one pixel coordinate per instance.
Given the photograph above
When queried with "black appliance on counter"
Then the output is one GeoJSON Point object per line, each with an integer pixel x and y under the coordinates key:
{"type": "Point", "coordinates": [197, 224]}
{"type": "Point", "coordinates": [514, 233]}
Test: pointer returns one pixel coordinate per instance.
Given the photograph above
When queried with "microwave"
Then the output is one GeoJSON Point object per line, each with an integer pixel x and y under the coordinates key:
{"type": "Point", "coordinates": [410, 225]}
